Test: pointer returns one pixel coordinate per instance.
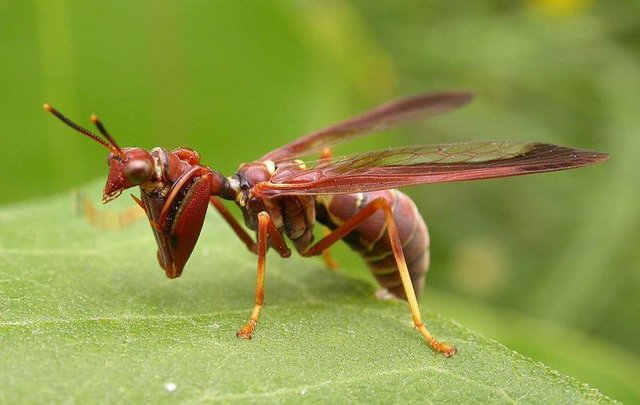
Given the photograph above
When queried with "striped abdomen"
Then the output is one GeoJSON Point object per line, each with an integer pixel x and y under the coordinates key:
{"type": "Point", "coordinates": [371, 240]}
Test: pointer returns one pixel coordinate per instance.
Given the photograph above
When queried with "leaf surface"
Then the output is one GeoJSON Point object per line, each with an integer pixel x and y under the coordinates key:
{"type": "Point", "coordinates": [87, 314]}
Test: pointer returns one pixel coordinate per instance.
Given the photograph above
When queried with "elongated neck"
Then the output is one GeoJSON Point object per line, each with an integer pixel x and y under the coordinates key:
{"type": "Point", "coordinates": [224, 187]}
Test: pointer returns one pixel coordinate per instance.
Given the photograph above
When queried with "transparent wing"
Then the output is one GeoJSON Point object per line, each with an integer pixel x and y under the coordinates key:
{"type": "Point", "coordinates": [376, 119]}
{"type": "Point", "coordinates": [393, 168]}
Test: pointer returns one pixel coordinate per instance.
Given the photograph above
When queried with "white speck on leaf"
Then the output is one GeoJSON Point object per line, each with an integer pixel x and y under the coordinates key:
{"type": "Point", "coordinates": [170, 387]}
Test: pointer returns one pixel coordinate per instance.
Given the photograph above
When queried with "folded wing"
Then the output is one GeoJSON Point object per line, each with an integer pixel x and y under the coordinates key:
{"type": "Point", "coordinates": [398, 167]}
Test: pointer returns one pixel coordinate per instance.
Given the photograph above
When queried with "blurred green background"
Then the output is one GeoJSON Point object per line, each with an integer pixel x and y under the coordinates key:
{"type": "Point", "coordinates": [548, 265]}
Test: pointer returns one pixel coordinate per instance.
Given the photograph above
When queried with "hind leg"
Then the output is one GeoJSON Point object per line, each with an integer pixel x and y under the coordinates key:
{"type": "Point", "coordinates": [396, 245]}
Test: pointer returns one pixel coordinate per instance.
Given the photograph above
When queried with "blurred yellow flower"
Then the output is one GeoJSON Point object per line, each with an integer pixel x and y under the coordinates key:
{"type": "Point", "coordinates": [560, 7]}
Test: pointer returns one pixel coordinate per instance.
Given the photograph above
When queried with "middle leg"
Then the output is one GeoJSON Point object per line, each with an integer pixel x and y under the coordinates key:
{"type": "Point", "coordinates": [266, 230]}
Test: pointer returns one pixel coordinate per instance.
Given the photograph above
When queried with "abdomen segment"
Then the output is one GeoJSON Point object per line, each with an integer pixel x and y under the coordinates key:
{"type": "Point", "coordinates": [371, 240]}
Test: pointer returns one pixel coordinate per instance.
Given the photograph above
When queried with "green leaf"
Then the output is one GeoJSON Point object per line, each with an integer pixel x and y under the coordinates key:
{"type": "Point", "coordinates": [87, 314]}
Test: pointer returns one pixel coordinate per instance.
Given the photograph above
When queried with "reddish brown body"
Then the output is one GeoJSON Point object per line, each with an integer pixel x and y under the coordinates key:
{"type": "Point", "coordinates": [295, 216]}
{"type": "Point", "coordinates": [354, 196]}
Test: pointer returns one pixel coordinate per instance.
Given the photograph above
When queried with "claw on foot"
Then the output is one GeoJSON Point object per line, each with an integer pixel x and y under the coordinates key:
{"type": "Point", "coordinates": [247, 330]}
{"type": "Point", "coordinates": [447, 350]}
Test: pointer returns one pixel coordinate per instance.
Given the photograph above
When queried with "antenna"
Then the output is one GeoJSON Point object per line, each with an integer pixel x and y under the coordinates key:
{"type": "Point", "coordinates": [103, 131]}
{"type": "Point", "coordinates": [111, 145]}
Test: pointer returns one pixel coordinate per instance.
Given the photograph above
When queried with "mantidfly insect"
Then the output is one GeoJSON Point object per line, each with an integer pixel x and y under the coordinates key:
{"type": "Point", "coordinates": [354, 196]}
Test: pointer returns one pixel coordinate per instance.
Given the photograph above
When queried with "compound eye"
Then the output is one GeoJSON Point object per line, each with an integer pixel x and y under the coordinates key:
{"type": "Point", "coordinates": [137, 171]}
